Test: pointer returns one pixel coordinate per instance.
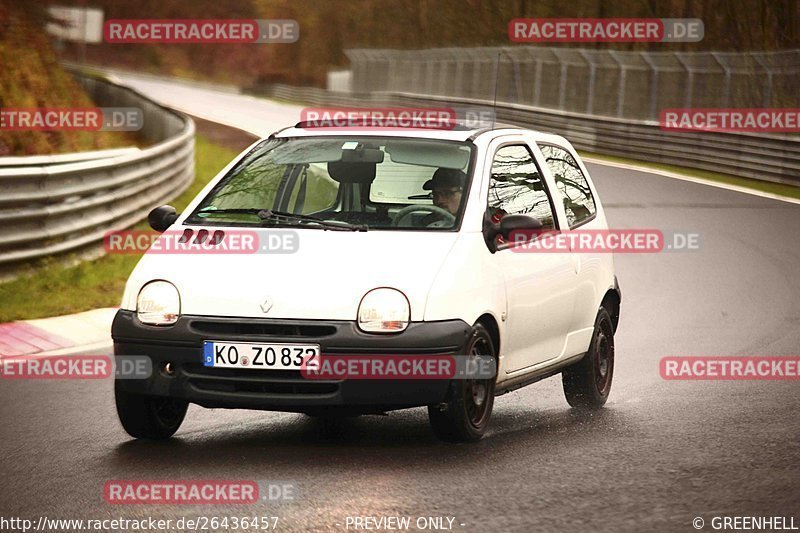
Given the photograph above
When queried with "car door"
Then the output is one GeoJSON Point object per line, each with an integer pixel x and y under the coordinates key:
{"type": "Point", "coordinates": [575, 194]}
{"type": "Point", "coordinates": [539, 285]}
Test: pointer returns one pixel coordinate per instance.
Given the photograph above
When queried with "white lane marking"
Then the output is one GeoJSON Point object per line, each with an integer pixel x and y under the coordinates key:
{"type": "Point", "coordinates": [685, 177]}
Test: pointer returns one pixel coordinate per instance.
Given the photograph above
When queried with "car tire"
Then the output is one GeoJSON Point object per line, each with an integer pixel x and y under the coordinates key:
{"type": "Point", "coordinates": [464, 415]}
{"type": "Point", "coordinates": [149, 417]}
{"type": "Point", "coordinates": [587, 383]}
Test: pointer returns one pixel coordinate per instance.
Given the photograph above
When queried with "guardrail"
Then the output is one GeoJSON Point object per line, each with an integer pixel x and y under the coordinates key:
{"type": "Point", "coordinates": [58, 159]}
{"type": "Point", "coordinates": [765, 157]}
{"type": "Point", "coordinates": [631, 85]}
{"type": "Point", "coordinates": [65, 203]}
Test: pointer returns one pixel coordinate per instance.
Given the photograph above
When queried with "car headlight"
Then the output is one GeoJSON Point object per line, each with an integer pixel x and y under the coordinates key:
{"type": "Point", "coordinates": [158, 304]}
{"type": "Point", "coordinates": [384, 310]}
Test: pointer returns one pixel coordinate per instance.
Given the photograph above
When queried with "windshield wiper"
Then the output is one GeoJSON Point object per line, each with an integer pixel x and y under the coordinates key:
{"type": "Point", "coordinates": [247, 211]}
{"type": "Point", "coordinates": [282, 216]}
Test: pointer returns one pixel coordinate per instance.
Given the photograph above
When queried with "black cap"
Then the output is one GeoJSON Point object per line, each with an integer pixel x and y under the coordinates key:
{"type": "Point", "coordinates": [445, 178]}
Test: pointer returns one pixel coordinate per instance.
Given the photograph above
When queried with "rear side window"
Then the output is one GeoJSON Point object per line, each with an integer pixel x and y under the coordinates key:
{"type": "Point", "coordinates": [571, 183]}
{"type": "Point", "coordinates": [517, 187]}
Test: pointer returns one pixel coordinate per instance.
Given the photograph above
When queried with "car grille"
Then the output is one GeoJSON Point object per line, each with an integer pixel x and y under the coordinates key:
{"type": "Point", "coordinates": [268, 329]}
{"type": "Point", "coordinates": [288, 382]}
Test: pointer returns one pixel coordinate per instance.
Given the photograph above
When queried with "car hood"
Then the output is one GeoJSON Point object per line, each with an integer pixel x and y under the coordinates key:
{"type": "Point", "coordinates": [326, 277]}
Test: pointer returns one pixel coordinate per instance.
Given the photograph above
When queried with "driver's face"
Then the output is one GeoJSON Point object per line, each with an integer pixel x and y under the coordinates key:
{"type": "Point", "coordinates": [448, 199]}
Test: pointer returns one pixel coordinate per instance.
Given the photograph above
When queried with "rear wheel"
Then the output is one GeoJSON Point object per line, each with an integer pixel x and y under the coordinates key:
{"type": "Point", "coordinates": [464, 416]}
{"type": "Point", "coordinates": [149, 417]}
{"type": "Point", "coordinates": [587, 383]}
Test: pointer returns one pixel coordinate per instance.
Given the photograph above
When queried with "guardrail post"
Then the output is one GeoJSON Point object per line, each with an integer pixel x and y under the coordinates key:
{"type": "Point", "coordinates": [622, 76]}
{"type": "Point", "coordinates": [562, 84]}
{"type": "Point", "coordinates": [726, 92]}
{"type": "Point", "coordinates": [429, 76]}
{"type": "Point", "coordinates": [766, 67]}
{"type": "Point", "coordinates": [537, 88]}
{"type": "Point", "coordinates": [459, 76]}
{"type": "Point", "coordinates": [689, 80]}
{"type": "Point", "coordinates": [442, 76]}
{"type": "Point", "coordinates": [517, 74]}
{"type": "Point", "coordinates": [592, 75]}
{"type": "Point", "coordinates": [476, 68]}
{"type": "Point", "coordinates": [392, 62]}
{"type": "Point", "coordinates": [653, 85]}
{"type": "Point", "coordinates": [415, 74]}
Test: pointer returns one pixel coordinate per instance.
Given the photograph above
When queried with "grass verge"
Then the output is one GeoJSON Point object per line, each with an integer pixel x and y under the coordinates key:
{"type": "Point", "coordinates": [52, 289]}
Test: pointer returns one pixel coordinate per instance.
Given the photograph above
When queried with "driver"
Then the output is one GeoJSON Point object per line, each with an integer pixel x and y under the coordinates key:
{"type": "Point", "coordinates": [447, 185]}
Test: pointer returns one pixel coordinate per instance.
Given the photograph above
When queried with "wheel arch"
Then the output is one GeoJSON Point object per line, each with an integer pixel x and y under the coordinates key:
{"type": "Point", "coordinates": [612, 301]}
{"type": "Point", "coordinates": [490, 323]}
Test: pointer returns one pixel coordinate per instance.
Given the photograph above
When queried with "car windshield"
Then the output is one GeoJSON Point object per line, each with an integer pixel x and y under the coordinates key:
{"type": "Point", "coordinates": [347, 182]}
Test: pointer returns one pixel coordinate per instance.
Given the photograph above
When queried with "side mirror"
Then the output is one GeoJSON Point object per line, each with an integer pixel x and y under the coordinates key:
{"type": "Point", "coordinates": [162, 218]}
{"type": "Point", "coordinates": [508, 224]}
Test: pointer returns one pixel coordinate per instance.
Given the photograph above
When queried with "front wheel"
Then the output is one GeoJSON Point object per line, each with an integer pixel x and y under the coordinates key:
{"type": "Point", "coordinates": [587, 383]}
{"type": "Point", "coordinates": [464, 416]}
{"type": "Point", "coordinates": [149, 417]}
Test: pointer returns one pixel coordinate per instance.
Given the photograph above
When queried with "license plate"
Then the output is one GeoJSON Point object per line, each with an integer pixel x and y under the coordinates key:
{"type": "Point", "coordinates": [260, 356]}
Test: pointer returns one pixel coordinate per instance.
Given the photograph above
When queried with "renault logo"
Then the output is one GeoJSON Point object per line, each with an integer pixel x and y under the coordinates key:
{"type": "Point", "coordinates": [267, 305]}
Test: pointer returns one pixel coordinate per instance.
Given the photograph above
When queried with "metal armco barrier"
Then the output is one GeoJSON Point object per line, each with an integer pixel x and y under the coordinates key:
{"type": "Point", "coordinates": [605, 101]}
{"type": "Point", "coordinates": [56, 204]}
{"type": "Point", "coordinates": [761, 156]}
{"type": "Point", "coordinates": [631, 85]}
{"type": "Point", "coordinates": [765, 157]}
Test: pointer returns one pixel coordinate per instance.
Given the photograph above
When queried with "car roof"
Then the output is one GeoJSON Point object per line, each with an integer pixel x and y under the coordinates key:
{"type": "Point", "coordinates": [458, 133]}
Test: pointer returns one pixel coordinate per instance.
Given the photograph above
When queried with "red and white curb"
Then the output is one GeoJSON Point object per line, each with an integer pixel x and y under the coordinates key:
{"type": "Point", "coordinates": [61, 335]}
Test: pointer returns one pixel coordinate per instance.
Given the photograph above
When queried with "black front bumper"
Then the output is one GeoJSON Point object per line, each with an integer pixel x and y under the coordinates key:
{"type": "Point", "coordinates": [281, 390]}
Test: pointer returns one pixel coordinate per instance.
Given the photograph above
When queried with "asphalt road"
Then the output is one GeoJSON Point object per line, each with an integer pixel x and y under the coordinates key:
{"type": "Point", "coordinates": [660, 454]}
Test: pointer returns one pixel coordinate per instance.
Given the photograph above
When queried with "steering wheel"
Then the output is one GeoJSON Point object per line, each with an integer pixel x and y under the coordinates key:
{"type": "Point", "coordinates": [447, 216]}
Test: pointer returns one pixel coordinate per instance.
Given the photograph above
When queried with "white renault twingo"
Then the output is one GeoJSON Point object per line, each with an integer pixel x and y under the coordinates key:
{"type": "Point", "coordinates": [405, 243]}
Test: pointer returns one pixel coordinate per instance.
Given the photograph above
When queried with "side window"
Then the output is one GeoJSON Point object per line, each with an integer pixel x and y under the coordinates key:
{"type": "Point", "coordinates": [517, 187]}
{"type": "Point", "coordinates": [571, 183]}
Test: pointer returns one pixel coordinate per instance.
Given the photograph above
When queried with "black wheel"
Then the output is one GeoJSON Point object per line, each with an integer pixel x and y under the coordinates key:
{"type": "Point", "coordinates": [464, 416]}
{"type": "Point", "coordinates": [149, 417]}
{"type": "Point", "coordinates": [588, 382]}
